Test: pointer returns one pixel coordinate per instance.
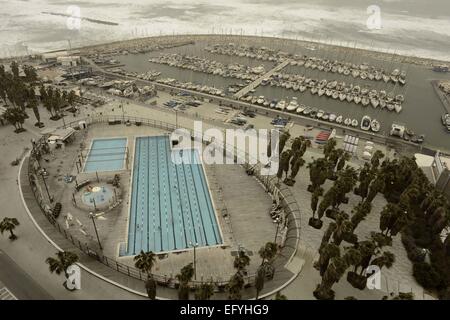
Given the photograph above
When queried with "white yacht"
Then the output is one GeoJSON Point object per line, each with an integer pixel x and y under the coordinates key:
{"type": "Point", "coordinates": [281, 105]}
{"type": "Point", "coordinates": [365, 123]}
{"type": "Point", "coordinates": [301, 108]}
{"type": "Point", "coordinates": [260, 100]}
{"type": "Point", "coordinates": [293, 105]}
{"type": "Point", "coordinates": [320, 114]}
{"type": "Point", "coordinates": [332, 117]}
{"type": "Point", "coordinates": [375, 125]}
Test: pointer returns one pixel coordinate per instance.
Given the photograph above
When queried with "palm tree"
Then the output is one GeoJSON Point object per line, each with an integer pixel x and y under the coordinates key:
{"type": "Point", "coordinates": [359, 257]}
{"type": "Point", "coordinates": [9, 224]}
{"type": "Point", "coordinates": [16, 117]}
{"type": "Point", "coordinates": [295, 167]}
{"type": "Point", "coordinates": [375, 186]}
{"type": "Point", "coordinates": [71, 98]}
{"type": "Point", "coordinates": [235, 286]}
{"type": "Point", "coordinates": [34, 106]}
{"type": "Point", "coordinates": [317, 174]}
{"type": "Point", "coordinates": [392, 219]}
{"type": "Point", "coordinates": [15, 69]}
{"type": "Point", "coordinates": [365, 178]}
{"type": "Point", "coordinates": [353, 256]}
{"type": "Point", "coordinates": [150, 288]}
{"type": "Point", "coordinates": [314, 201]}
{"type": "Point", "coordinates": [437, 220]}
{"type": "Point", "coordinates": [333, 274]}
{"type": "Point", "coordinates": [259, 281]}
{"type": "Point", "coordinates": [30, 73]}
{"type": "Point", "coordinates": [284, 164]}
{"type": "Point", "coordinates": [360, 212]}
{"type": "Point", "coordinates": [375, 160]}
{"type": "Point", "coordinates": [268, 252]}
{"type": "Point", "coordinates": [327, 252]}
{"type": "Point", "coordinates": [241, 261]}
{"type": "Point", "coordinates": [327, 234]}
{"type": "Point", "coordinates": [346, 179]}
{"type": "Point", "coordinates": [387, 259]}
{"type": "Point", "coordinates": [324, 204]}
{"type": "Point", "coordinates": [184, 277]}
{"type": "Point", "coordinates": [145, 261]}
{"type": "Point", "coordinates": [204, 292]}
{"type": "Point", "coordinates": [344, 229]}
{"type": "Point", "coordinates": [283, 139]}
{"type": "Point", "coordinates": [329, 147]}
{"type": "Point", "coordinates": [280, 296]}
{"type": "Point", "coordinates": [64, 259]}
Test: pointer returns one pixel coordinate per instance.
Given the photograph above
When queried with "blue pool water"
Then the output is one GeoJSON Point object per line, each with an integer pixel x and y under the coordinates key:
{"type": "Point", "coordinates": [106, 155]}
{"type": "Point", "coordinates": [171, 207]}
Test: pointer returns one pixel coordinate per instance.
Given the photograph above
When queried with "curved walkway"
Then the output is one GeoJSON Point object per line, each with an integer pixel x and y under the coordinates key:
{"type": "Point", "coordinates": [28, 253]}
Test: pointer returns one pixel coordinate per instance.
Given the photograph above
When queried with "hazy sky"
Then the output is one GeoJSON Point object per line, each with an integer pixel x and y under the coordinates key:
{"type": "Point", "coordinates": [416, 27]}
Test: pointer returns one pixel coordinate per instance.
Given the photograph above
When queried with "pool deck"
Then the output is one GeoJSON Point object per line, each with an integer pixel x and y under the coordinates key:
{"type": "Point", "coordinates": [242, 223]}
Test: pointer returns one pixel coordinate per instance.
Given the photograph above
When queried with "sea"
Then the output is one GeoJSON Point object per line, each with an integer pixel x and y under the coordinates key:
{"type": "Point", "coordinates": [411, 27]}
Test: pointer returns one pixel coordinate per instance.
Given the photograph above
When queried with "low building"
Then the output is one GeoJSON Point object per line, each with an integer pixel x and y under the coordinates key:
{"type": "Point", "coordinates": [68, 61]}
{"type": "Point", "coordinates": [437, 169]}
{"type": "Point", "coordinates": [53, 56]}
{"type": "Point", "coordinates": [59, 136]}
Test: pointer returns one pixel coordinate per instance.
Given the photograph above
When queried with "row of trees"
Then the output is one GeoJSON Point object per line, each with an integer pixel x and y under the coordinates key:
{"type": "Point", "coordinates": [291, 160]}
{"type": "Point", "coordinates": [18, 92]}
{"type": "Point", "coordinates": [54, 100]}
{"type": "Point", "coordinates": [145, 262]}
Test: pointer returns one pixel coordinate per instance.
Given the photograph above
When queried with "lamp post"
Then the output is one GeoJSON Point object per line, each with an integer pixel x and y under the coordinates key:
{"type": "Point", "coordinates": [46, 187]}
{"type": "Point", "coordinates": [95, 228]}
{"type": "Point", "coordinates": [123, 113]}
{"type": "Point", "coordinates": [176, 119]}
{"type": "Point", "coordinates": [195, 259]}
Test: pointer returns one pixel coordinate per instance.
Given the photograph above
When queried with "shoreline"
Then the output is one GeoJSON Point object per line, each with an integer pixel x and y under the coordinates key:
{"type": "Point", "coordinates": [146, 41]}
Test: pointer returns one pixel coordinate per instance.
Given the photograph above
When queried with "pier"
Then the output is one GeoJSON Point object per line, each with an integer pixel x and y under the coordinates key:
{"type": "Point", "coordinates": [442, 96]}
{"type": "Point", "coordinates": [258, 81]}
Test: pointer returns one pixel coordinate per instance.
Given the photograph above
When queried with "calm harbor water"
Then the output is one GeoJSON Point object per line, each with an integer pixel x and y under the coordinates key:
{"type": "Point", "coordinates": [421, 112]}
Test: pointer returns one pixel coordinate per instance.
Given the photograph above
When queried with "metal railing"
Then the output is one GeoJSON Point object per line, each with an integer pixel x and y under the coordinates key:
{"type": "Point", "coordinates": [290, 220]}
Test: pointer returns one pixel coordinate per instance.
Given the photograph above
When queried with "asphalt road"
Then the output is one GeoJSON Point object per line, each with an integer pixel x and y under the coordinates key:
{"type": "Point", "coordinates": [18, 282]}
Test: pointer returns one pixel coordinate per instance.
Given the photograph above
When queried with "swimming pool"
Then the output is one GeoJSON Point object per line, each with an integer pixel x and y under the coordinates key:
{"type": "Point", "coordinates": [171, 207]}
{"type": "Point", "coordinates": [106, 155]}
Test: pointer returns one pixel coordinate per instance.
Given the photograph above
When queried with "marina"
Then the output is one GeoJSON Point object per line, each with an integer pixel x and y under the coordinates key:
{"type": "Point", "coordinates": [420, 104]}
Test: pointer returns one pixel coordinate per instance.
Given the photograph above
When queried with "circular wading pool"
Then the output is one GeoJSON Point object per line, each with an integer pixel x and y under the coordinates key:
{"type": "Point", "coordinates": [99, 195]}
